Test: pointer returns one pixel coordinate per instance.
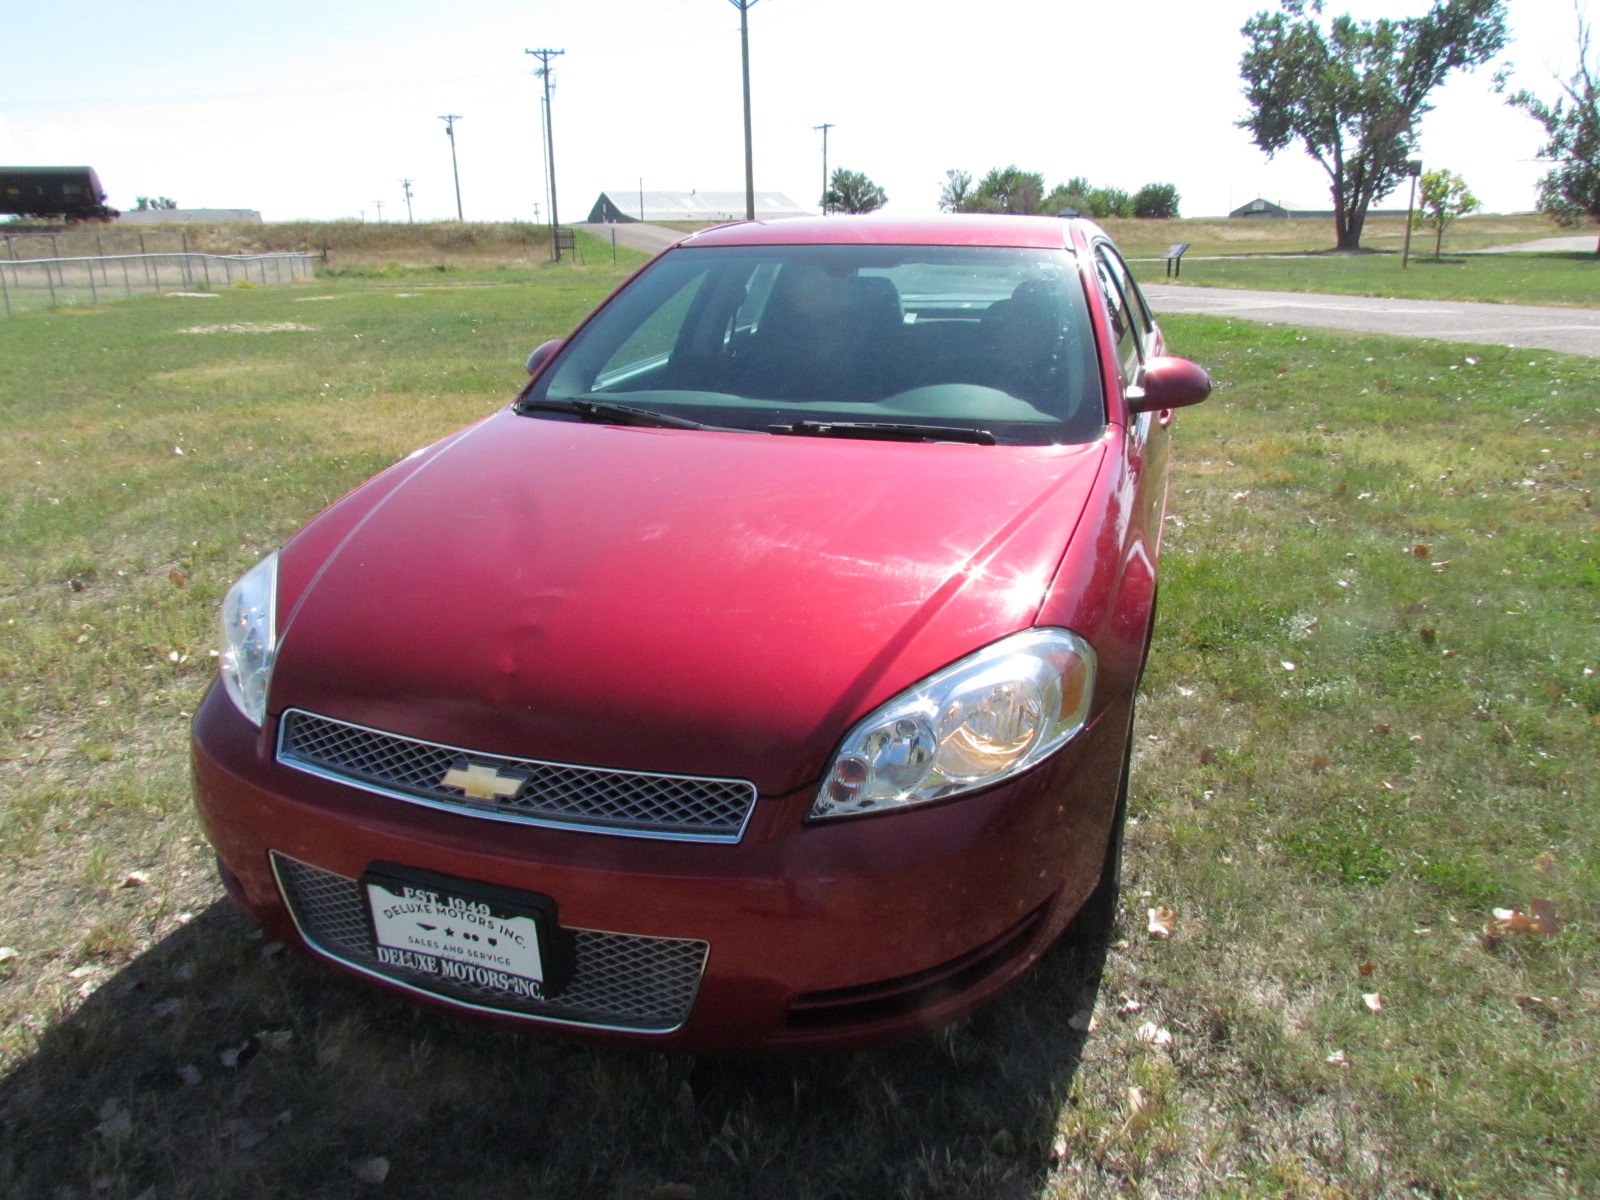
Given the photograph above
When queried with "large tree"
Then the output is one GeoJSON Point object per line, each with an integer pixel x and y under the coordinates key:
{"type": "Point", "coordinates": [1352, 92]}
{"type": "Point", "coordinates": [852, 192]}
{"type": "Point", "coordinates": [1011, 190]}
{"type": "Point", "coordinates": [1572, 190]}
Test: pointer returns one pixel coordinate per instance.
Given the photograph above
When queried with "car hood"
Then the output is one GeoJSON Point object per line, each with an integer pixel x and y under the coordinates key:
{"type": "Point", "coordinates": [650, 599]}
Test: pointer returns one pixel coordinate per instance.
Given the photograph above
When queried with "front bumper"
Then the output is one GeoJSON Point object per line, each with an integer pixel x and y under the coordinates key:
{"type": "Point", "coordinates": [838, 933]}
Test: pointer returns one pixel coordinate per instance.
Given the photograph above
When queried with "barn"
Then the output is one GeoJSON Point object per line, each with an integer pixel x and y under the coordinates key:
{"type": "Point", "coordinates": [624, 205]}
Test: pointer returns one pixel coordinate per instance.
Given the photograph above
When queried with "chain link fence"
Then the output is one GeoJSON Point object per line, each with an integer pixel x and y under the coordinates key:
{"type": "Point", "coordinates": [34, 283]}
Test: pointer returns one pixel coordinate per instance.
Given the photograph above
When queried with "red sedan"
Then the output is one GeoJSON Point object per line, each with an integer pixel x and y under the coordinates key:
{"type": "Point", "coordinates": [761, 677]}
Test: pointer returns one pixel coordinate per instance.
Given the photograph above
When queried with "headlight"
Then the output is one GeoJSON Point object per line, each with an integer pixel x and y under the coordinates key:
{"type": "Point", "coordinates": [978, 721]}
{"type": "Point", "coordinates": [250, 637]}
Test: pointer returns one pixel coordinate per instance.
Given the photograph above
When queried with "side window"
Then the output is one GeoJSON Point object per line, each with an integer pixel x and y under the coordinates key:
{"type": "Point", "coordinates": [1130, 289]}
{"type": "Point", "coordinates": [1124, 318]}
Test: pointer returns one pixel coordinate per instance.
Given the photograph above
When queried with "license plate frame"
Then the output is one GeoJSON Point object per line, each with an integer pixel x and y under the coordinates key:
{"type": "Point", "coordinates": [465, 932]}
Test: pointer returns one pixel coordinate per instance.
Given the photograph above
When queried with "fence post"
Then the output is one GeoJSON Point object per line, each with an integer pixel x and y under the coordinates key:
{"type": "Point", "coordinates": [94, 294]}
{"type": "Point", "coordinates": [5, 292]}
{"type": "Point", "coordinates": [127, 284]}
{"type": "Point", "coordinates": [155, 270]}
{"type": "Point", "coordinates": [51, 280]}
{"type": "Point", "coordinates": [205, 267]}
{"type": "Point", "coordinates": [188, 276]}
{"type": "Point", "coordinates": [100, 249]}
{"type": "Point", "coordinates": [144, 260]}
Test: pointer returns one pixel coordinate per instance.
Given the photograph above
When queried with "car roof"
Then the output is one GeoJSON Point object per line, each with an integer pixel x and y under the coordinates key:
{"type": "Point", "coordinates": [965, 229]}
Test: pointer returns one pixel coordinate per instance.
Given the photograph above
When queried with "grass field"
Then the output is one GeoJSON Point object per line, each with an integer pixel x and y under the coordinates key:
{"type": "Point", "coordinates": [1305, 235]}
{"type": "Point", "coordinates": [1370, 719]}
{"type": "Point", "coordinates": [1546, 278]}
{"type": "Point", "coordinates": [343, 245]}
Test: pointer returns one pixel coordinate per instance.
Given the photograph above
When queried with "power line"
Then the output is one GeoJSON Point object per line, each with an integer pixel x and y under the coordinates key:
{"type": "Point", "coordinates": [544, 57]}
{"type": "Point", "coordinates": [450, 120]}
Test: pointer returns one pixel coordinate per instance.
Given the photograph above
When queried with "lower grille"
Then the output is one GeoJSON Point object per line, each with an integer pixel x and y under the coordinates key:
{"type": "Point", "coordinates": [621, 981]}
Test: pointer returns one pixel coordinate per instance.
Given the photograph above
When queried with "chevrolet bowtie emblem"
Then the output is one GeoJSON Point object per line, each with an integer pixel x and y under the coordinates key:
{"type": "Point", "coordinates": [482, 782]}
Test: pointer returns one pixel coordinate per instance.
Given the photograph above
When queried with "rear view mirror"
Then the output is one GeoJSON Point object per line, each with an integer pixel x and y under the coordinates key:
{"type": "Point", "coordinates": [1169, 383]}
{"type": "Point", "coordinates": [542, 354]}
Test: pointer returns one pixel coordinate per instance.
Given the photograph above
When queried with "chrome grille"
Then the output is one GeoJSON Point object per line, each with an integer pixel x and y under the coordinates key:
{"type": "Point", "coordinates": [593, 798]}
{"type": "Point", "coordinates": [621, 981]}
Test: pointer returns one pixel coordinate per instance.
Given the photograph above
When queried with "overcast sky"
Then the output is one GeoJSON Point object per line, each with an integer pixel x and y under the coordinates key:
{"type": "Point", "coordinates": [318, 108]}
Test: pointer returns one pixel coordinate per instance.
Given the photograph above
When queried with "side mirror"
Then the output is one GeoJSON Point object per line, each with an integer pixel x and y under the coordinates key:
{"type": "Point", "coordinates": [1169, 383]}
{"type": "Point", "coordinates": [542, 354]}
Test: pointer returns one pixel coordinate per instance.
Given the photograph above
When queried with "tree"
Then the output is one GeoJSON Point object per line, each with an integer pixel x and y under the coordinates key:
{"type": "Point", "coordinates": [1109, 202]}
{"type": "Point", "coordinates": [1445, 196]}
{"type": "Point", "coordinates": [852, 192]}
{"type": "Point", "coordinates": [1572, 190]}
{"type": "Point", "coordinates": [1007, 191]}
{"type": "Point", "coordinates": [1157, 200]}
{"type": "Point", "coordinates": [147, 203]}
{"type": "Point", "coordinates": [953, 195]}
{"type": "Point", "coordinates": [1353, 93]}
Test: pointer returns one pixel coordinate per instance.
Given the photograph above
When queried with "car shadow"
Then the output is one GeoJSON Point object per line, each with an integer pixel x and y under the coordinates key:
{"type": "Point", "coordinates": [217, 1064]}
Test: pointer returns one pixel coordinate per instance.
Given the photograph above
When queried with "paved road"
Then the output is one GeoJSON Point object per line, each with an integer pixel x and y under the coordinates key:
{"type": "Point", "coordinates": [1583, 242]}
{"type": "Point", "coordinates": [637, 236]}
{"type": "Point", "coordinates": [1572, 330]}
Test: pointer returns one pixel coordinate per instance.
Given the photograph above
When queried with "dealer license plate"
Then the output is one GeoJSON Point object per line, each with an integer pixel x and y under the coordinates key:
{"type": "Point", "coordinates": [461, 931]}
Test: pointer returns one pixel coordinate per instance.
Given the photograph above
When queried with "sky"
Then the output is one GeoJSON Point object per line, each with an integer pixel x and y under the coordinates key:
{"type": "Point", "coordinates": [319, 108]}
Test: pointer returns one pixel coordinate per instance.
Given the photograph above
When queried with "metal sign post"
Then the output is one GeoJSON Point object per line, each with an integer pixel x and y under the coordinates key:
{"type": "Point", "coordinates": [1414, 169]}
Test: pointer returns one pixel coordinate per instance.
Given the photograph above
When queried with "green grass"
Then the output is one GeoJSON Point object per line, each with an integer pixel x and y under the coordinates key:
{"type": "Point", "coordinates": [1305, 235]}
{"type": "Point", "coordinates": [1430, 756]}
{"type": "Point", "coordinates": [1551, 278]}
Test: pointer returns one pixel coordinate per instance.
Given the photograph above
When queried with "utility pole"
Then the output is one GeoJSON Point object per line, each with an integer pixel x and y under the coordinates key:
{"type": "Point", "coordinates": [379, 205]}
{"type": "Point", "coordinates": [406, 184]}
{"type": "Point", "coordinates": [544, 57]}
{"type": "Point", "coordinates": [749, 159]}
{"type": "Point", "coordinates": [825, 126]}
{"type": "Point", "coordinates": [450, 132]}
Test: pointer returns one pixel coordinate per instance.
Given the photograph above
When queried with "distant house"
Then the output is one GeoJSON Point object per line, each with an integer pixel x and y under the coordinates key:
{"type": "Point", "coordinates": [621, 206]}
{"type": "Point", "coordinates": [1266, 208]}
{"type": "Point", "coordinates": [1260, 208]}
{"type": "Point", "coordinates": [190, 216]}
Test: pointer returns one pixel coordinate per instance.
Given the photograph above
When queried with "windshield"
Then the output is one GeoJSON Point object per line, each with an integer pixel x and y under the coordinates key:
{"type": "Point", "coordinates": [752, 337]}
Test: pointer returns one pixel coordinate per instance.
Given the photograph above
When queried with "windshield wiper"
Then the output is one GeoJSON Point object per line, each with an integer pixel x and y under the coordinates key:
{"type": "Point", "coordinates": [612, 414]}
{"type": "Point", "coordinates": [886, 431]}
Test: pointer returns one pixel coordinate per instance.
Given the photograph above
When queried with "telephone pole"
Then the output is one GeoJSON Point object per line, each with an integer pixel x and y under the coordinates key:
{"type": "Point", "coordinates": [406, 184]}
{"type": "Point", "coordinates": [749, 159]}
{"type": "Point", "coordinates": [379, 205]}
{"type": "Point", "coordinates": [544, 57]}
{"type": "Point", "coordinates": [825, 126]}
{"type": "Point", "coordinates": [450, 120]}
